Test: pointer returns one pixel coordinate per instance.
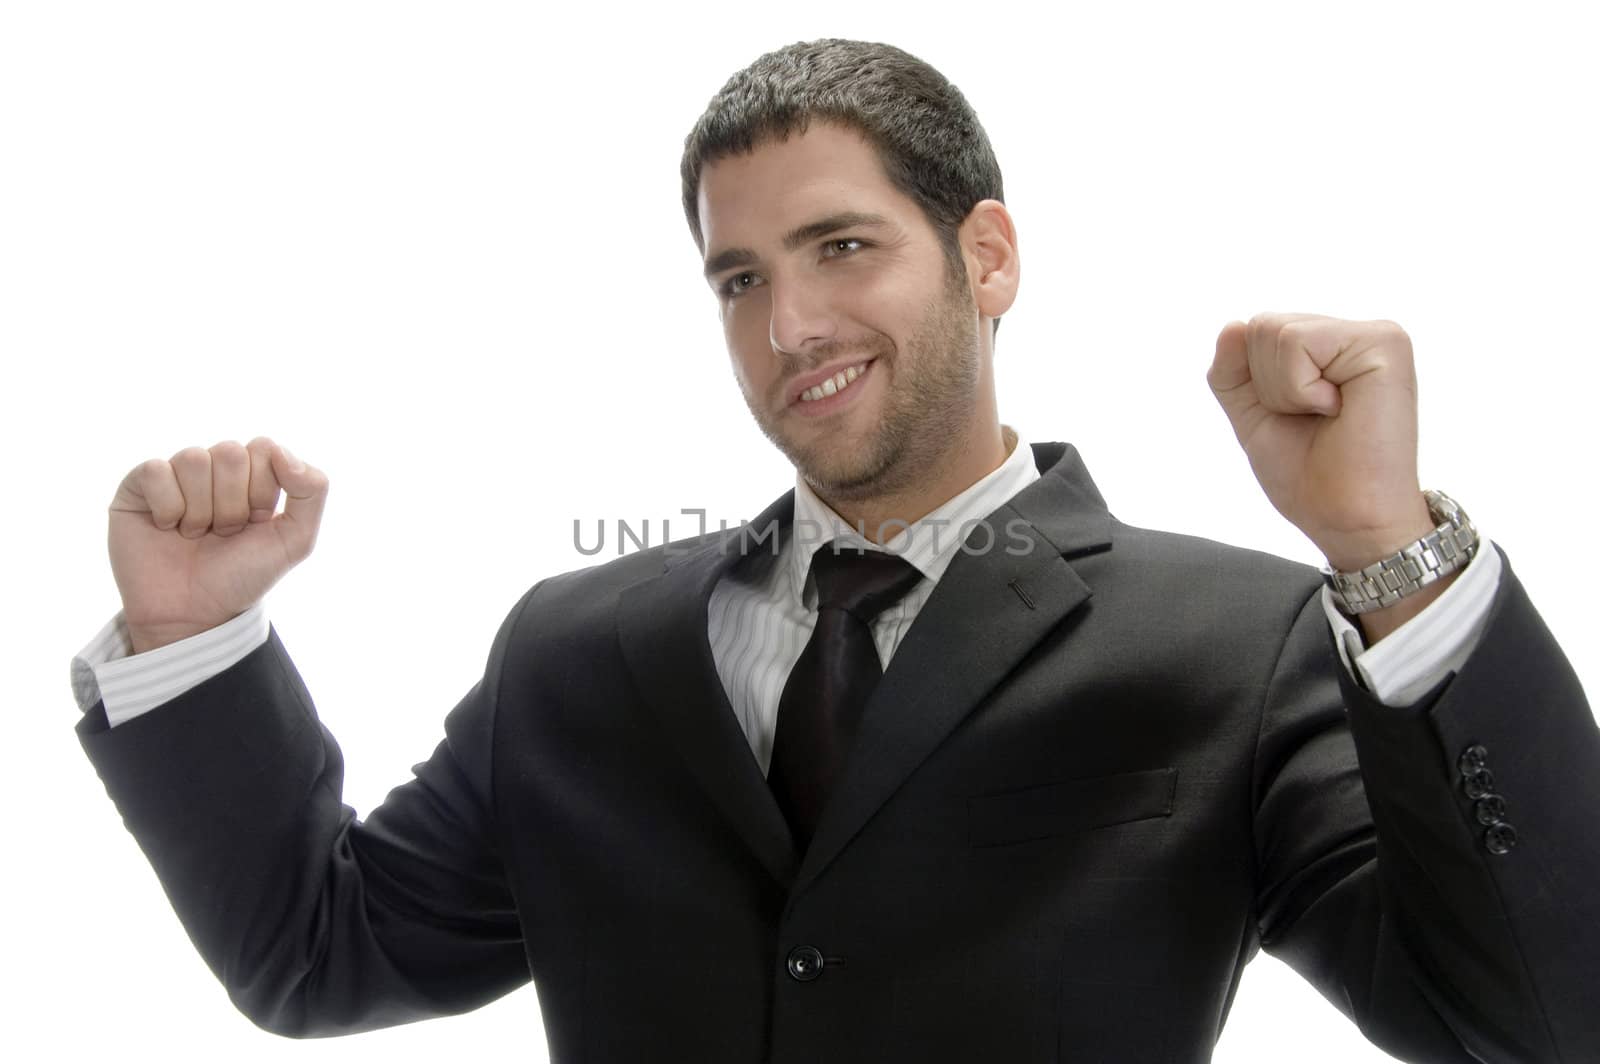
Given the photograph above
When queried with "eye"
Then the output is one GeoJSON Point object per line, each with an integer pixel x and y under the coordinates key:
{"type": "Point", "coordinates": [844, 240]}
{"type": "Point", "coordinates": [732, 289]}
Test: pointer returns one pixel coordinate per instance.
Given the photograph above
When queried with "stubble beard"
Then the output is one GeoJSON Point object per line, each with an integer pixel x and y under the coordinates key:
{"type": "Point", "coordinates": [925, 413]}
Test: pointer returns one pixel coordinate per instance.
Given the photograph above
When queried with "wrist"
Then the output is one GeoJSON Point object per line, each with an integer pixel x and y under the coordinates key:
{"type": "Point", "coordinates": [144, 638]}
{"type": "Point", "coordinates": [1447, 545]}
{"type": "Point", "coordinates": [1378, 623]}
{"type": "Point", "coordinates": [1353, 551]}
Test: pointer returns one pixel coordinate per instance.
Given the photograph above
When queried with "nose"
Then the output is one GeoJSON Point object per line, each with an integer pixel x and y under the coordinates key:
{"type": "Point", "coordinates": [801, 316]}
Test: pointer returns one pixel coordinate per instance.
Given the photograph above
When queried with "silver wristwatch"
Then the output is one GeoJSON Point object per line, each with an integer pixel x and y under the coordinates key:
{"type": "Point", "coordinates": [1410, 569]}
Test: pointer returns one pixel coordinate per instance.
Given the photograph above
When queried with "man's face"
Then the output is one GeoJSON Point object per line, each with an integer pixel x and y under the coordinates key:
{"type": "Point", "coordinates": [880, 297]}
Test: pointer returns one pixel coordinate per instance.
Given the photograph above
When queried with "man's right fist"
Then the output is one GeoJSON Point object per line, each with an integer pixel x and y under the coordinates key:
{"type": "Point", "coordinates": [194, 540]}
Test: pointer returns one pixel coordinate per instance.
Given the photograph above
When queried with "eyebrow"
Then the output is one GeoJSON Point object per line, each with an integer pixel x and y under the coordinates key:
{"type": "Point", "coordinates": [803, 234]}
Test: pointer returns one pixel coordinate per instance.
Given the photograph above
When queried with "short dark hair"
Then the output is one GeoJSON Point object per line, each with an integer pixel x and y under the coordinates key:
{"type": "Point", "coordinates": [927, 136]}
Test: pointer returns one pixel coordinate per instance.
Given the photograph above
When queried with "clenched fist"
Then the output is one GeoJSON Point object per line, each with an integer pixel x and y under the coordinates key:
{"type": "Point", "coordinates": [195, 540]}
{"type": "Point", "coordinates": [1326, 410]}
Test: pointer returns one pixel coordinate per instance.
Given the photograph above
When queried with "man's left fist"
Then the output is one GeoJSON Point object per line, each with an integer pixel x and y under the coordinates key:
{"type": "Point", "coordinates": [1326, 410]}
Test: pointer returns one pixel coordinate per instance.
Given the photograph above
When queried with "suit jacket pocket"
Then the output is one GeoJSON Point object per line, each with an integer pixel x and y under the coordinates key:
{"type": "Point", "coordinates": [1042, 810]}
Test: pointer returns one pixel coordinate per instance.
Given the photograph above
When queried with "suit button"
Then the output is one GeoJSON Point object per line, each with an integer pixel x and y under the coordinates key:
{"type": "Point", "coordinates": [1500, 838]}
{"type": "Point", "coordinates": [1478, 784]}
{"type": "Point", "coordinates": [1473, 758]}
{"type": "Point", "coordinates": [1491, 808]}
{"type": "Point", "coordinates": [805, 963]}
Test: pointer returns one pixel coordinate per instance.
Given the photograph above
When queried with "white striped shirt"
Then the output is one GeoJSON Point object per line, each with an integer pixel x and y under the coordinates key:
{"type": "Point", "coordinates": [763, 611]}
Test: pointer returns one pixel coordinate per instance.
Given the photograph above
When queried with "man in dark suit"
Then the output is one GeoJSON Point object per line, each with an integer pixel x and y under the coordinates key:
{"type": "Point", "coordinates": [1102, 767]}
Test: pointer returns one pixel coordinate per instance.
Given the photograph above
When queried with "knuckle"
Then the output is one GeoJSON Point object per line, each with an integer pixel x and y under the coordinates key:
{"type": "Point", "coordinates": [151, 468]}
{"type": "Point", "coordinates": [1395, 331]}
{"type": "Point", "coordinates": [191, 458]}
{"type": "Point", "coordinates": [231, 451]}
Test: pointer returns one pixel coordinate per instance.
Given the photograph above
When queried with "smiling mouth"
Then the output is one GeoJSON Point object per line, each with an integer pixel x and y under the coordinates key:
{"type": "Point", "coordinates": [834, 384]}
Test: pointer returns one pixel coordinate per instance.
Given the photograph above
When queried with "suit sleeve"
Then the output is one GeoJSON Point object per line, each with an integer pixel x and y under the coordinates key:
{"type": "Point", "coordinates": [316, 922]}
{"type": "Point", "coordinates": [1383, 877]}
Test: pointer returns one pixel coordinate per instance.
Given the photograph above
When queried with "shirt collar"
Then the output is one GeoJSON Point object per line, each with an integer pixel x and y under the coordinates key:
{"type": "Point", "coordinates": [929, 543]}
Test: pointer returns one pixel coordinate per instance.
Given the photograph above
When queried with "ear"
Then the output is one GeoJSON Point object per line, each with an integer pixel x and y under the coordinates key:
{"type": "Point", "coordinates": [989, 246]}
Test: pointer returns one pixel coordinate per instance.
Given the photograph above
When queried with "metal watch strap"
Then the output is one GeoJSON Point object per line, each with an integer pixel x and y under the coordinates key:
{"type": "Point", "coordinates": [1410, 569]}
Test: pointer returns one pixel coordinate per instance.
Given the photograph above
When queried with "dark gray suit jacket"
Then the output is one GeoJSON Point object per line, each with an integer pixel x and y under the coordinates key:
{"type": "Point", "coordinates": [1097, 777]}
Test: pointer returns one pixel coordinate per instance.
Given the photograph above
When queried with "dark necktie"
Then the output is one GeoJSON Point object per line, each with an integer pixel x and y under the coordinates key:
{"type": "Point", "coordinates": [821, 704]}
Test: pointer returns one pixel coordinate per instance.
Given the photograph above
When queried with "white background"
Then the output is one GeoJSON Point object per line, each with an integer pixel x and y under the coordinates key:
{"type": "Point", "coordinates": [438, 250]}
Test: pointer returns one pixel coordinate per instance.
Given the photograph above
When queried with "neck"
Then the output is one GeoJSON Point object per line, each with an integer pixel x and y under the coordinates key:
{"type": "Point", "coordinates": [883, 517]}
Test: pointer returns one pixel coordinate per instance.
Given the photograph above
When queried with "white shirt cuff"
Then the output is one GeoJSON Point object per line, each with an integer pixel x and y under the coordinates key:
{"type": "Point", "coordinates": [1406, 664]}
{"type": "Point", "coordinates": [106, 669]}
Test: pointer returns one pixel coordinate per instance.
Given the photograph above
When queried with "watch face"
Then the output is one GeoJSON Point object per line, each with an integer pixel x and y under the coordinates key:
{"type": "Point", "coordinates": [1445, 510]}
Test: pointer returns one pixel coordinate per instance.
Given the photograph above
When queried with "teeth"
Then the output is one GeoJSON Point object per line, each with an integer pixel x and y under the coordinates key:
{"type": "Point", "coordinates": [832, 385]}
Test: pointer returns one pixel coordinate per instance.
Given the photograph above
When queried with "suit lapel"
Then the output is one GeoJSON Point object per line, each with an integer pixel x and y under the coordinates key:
{"type": "Point", "coordinates": [662, 629]}
{"type": "Point", "coordinates": [988, 611]}
{"type": "Point", "coordinates": [993, 605]}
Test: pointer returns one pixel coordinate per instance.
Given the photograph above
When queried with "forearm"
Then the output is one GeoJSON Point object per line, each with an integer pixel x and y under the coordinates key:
{"type": "Point", "coordinates": [309, 918]}
{"type": "Point", "coordinates": [1379, 881]}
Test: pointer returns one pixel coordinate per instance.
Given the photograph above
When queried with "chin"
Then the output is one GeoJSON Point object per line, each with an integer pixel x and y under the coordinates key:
{"type": "Point", "coordinates": [848, 473]}
{"type": "Point", "coordinates": [836, 465]}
